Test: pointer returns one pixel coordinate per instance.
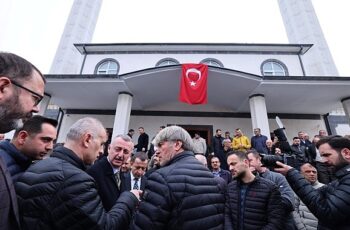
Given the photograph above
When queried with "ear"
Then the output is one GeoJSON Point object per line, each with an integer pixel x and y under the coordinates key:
{"type": "Point", "coordinates": [178, 145]}
{"type": "Point", "coordinates": [5, 82]}
{"type": "Point", "coordinates": [87, 138]}
{"type": "Point", "coordinates": [345, 152]}
{"type": "Point", "coordinates": [22, 137]}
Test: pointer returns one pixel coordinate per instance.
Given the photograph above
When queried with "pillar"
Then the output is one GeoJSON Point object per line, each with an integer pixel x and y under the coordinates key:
{"type": "Point", "coordinates": [259, 114]}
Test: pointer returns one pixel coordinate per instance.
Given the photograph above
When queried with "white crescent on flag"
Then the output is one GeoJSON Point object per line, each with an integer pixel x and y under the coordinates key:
{"type": "Point", "coordinates": [193, 70]}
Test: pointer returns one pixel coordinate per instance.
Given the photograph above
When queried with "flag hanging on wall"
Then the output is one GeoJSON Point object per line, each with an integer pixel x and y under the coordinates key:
{"type": "Point", "coordinates": [193, 84]}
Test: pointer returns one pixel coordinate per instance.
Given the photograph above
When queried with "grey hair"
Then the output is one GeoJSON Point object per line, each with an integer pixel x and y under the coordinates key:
{"type": "Point", "coordinates": [226, 140]}
{"type": "Point", "coordinates": [124, 137]}
{"type": "Point", "coordinates": [84, 125]}
{"type": "Point", "coordinates": [174, 133]}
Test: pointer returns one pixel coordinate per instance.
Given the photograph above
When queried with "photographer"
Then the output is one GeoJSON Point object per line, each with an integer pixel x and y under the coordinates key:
{"type": "Point", "coordinates": [331, 203]}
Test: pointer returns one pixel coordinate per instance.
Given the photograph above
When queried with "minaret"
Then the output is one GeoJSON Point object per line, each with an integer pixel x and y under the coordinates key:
{"type": "Point", "coordinates": [79, 28]}
{"type": "Point", "coordinates": [302, 26]}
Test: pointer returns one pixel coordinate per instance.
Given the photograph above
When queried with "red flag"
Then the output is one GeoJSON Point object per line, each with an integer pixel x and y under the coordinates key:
{"type": "Point", "coordinates": [193, 86]}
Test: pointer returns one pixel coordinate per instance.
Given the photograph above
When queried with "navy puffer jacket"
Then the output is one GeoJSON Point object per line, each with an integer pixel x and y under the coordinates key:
{"type": "Point", "coordinates": [181, 195]}
{"type": "Point", "coordinates": [15, 161]}
{"type": "Point", "coordinates": [262, 206]}
{"type": "Point", "coordinates": [56, 193]}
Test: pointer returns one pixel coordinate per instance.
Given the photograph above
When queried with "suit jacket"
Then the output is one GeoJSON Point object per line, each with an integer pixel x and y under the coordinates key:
{"type": "Point", "coordinates": [102, 172]}
{"type": "Point", "coordinates": [126, 182]}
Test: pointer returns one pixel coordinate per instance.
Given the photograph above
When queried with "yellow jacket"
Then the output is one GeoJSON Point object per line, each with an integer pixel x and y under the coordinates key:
{"type": "Point", "coordinates": [241, 143]}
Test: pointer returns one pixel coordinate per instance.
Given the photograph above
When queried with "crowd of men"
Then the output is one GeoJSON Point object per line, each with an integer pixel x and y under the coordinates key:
{"type": "Point", "coordinates": [73, 186]}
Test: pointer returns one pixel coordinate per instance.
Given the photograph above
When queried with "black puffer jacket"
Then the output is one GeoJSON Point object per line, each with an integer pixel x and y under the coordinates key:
{"type": "Point", "coordinates": [57, 194]}
{"type": "Point", "coordinates": [262, 206]}
{"type": "Point", "coordinates": [181, 195]}
{"type": "Point", "coordinates": [330, 203]}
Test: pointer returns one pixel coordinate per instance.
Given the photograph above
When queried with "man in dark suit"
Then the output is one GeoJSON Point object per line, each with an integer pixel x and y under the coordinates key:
{"type": "Point", "coordinates": [106, 171]}
{"type": "Point", "coordinates": [135, 179]}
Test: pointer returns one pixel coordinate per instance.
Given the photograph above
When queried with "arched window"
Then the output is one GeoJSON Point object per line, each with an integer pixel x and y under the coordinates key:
{"type": "Point", "coordinates": [212, 62]}
{"type": "Point", "coordinates": [107, 66]}
{"type": "Point", "coordinates": [273, 67]}
{"type": "Point", "coordinates": [167, 61]}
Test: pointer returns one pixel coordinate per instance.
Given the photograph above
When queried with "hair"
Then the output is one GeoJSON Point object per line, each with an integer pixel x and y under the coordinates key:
{"type": "Point", "coordinates": [258, 129]}
{"type": "Point", "coordinates": [202, 159]}
{"type": "Point", "coordinates": [214, 158]}
{"type": "Point", "coordinates": [16, 67]}
{"type": "Point", "coordinates": [241, 155]}
{"type": "Point", "coordinates": [336, 142]}
{"type": "Point", "coordinates": [131, 130]}
{"type": "Point", "coordinates": [227, 132]}
{"type": "Point", "coordinates": [225, 140]}
{"type": "Point", "coordinates": [139, 155]}
{"type": "Point", "coordinates": [217, 130]}
{"type": "Point", "coordinates": [307, 164]}
{"type": "Point", "coordinates": [254, 152]}
{"type": "Point", "coordinates": [296, 138]}
{"type": "Point", "coordinates": [84, 125]}
{"type": "Point", "coordinates": [34, 124]}
{"type": "Point", "coordinates": [141, 128]}
{"type": "Point", "coordinates": [174, 133]}
{"type": "Point", "coordinates": [124, 137]}
{"type": "Point", "coordinates": [162, 127]}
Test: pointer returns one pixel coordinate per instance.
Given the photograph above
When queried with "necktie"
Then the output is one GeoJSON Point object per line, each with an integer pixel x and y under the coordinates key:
{"type": "Point", "coordinates": [117, 179]}
{"type": "Point", "coordinates": [136, 185]}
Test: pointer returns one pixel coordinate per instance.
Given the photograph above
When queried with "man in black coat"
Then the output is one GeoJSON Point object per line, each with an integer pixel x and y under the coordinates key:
{"type": "Point", "coordinates": [142, 141]}
{"type": "Point", "coordinates": [252, 202]}
{"type": "Point", "coordinates": [183, 193]}
{"type": "Point", "coordinates": [21, 90]}
{"type": "Point", "coordinates": [330, 203]}
{"type": "Point", "coordinates": [57, 193]}
{"type": "Point", "coordinates": [106, 171]}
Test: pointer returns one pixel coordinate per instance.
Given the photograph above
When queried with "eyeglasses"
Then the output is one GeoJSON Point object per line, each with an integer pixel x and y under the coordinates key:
{"type": "Point", "coordinates": [37, 98]}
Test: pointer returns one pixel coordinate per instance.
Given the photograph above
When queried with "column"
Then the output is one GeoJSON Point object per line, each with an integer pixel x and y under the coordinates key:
{"type": "Point", "coordinates": [259, 114]}
{"type": "Point", "coordinates": [79, 28]}
{"type": "Point", "coordinates": [302, 27]}
{"type": "Point", "coordinates": [346, 106]}
{"type": "Point", "coordinates": [122, 114]}
{"type": "Point", "coordinates": [43, 104]}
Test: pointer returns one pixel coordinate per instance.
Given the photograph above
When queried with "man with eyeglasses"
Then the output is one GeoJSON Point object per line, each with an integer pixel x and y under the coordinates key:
{"type": "Point", "coordinates": [330, 203]}
{"type": "Point", "coordinates": [21, 89]}
{"type": "Point", "coordinates": [107, 171]}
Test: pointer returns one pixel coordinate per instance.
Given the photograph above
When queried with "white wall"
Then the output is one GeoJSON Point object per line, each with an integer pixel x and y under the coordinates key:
{"type": "Point", "coordinates": [152, 124]}
{"type": "Point", "coordinates": [249, 63]}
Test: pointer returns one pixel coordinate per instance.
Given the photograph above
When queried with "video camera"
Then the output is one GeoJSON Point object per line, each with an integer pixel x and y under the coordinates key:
{"type": "Point", "coordinates": [287, 157]}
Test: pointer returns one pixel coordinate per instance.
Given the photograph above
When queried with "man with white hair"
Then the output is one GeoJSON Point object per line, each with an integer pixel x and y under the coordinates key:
{"type": "Point", "coordinates": [183, 193]}
{"type": "Point", "coordinates": [57, 193]}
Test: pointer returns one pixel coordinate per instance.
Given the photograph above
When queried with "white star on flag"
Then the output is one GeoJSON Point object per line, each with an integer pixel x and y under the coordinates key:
{"type": "Point", "coordinates": [193, 83]}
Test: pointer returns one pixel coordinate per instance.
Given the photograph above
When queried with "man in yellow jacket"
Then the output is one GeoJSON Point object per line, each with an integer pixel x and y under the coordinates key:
{"type": "Point", "coordinates": [240, 142]}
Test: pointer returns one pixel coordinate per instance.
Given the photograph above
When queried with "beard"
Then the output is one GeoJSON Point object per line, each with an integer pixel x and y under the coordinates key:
{"type": "Point", "coordinates": [240, 175]}
{"type": "Point", "coordinates": [341, 164]}
{"type": "Point", "coordinates": [11, 115]}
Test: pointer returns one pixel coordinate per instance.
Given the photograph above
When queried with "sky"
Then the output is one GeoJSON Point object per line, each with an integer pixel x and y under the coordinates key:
{"type": "Point", "coordinates": [32, 29]}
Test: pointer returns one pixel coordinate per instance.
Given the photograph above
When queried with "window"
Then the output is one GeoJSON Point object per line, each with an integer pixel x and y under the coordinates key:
{"type": "Point", "coordinates": [167, 61]}
{"type": "Point", "coordinates": [107, 66]}
{"type": "Point", "coordinates": [273, 67]}
{"type": "Point", "coordinates": [212, 62]}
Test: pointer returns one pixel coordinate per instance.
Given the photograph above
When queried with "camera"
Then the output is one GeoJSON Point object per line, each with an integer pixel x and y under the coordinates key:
{"type": "Point", "coordinates": [288, 159]}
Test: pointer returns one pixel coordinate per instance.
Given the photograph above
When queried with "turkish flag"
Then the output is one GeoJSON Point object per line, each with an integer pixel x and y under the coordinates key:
{"type": "Point", "coordinates": [193, 86]}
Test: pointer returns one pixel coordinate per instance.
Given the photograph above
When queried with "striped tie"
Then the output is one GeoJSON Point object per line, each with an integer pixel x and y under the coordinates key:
{"type": "Point", "coordinates": [136, 185]}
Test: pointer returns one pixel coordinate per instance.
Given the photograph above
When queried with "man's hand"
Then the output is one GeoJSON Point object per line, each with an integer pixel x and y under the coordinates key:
{"type": "Point", "coordinates": [282, 168]}
{"type": "Point", "coordinates": [137, 193]}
